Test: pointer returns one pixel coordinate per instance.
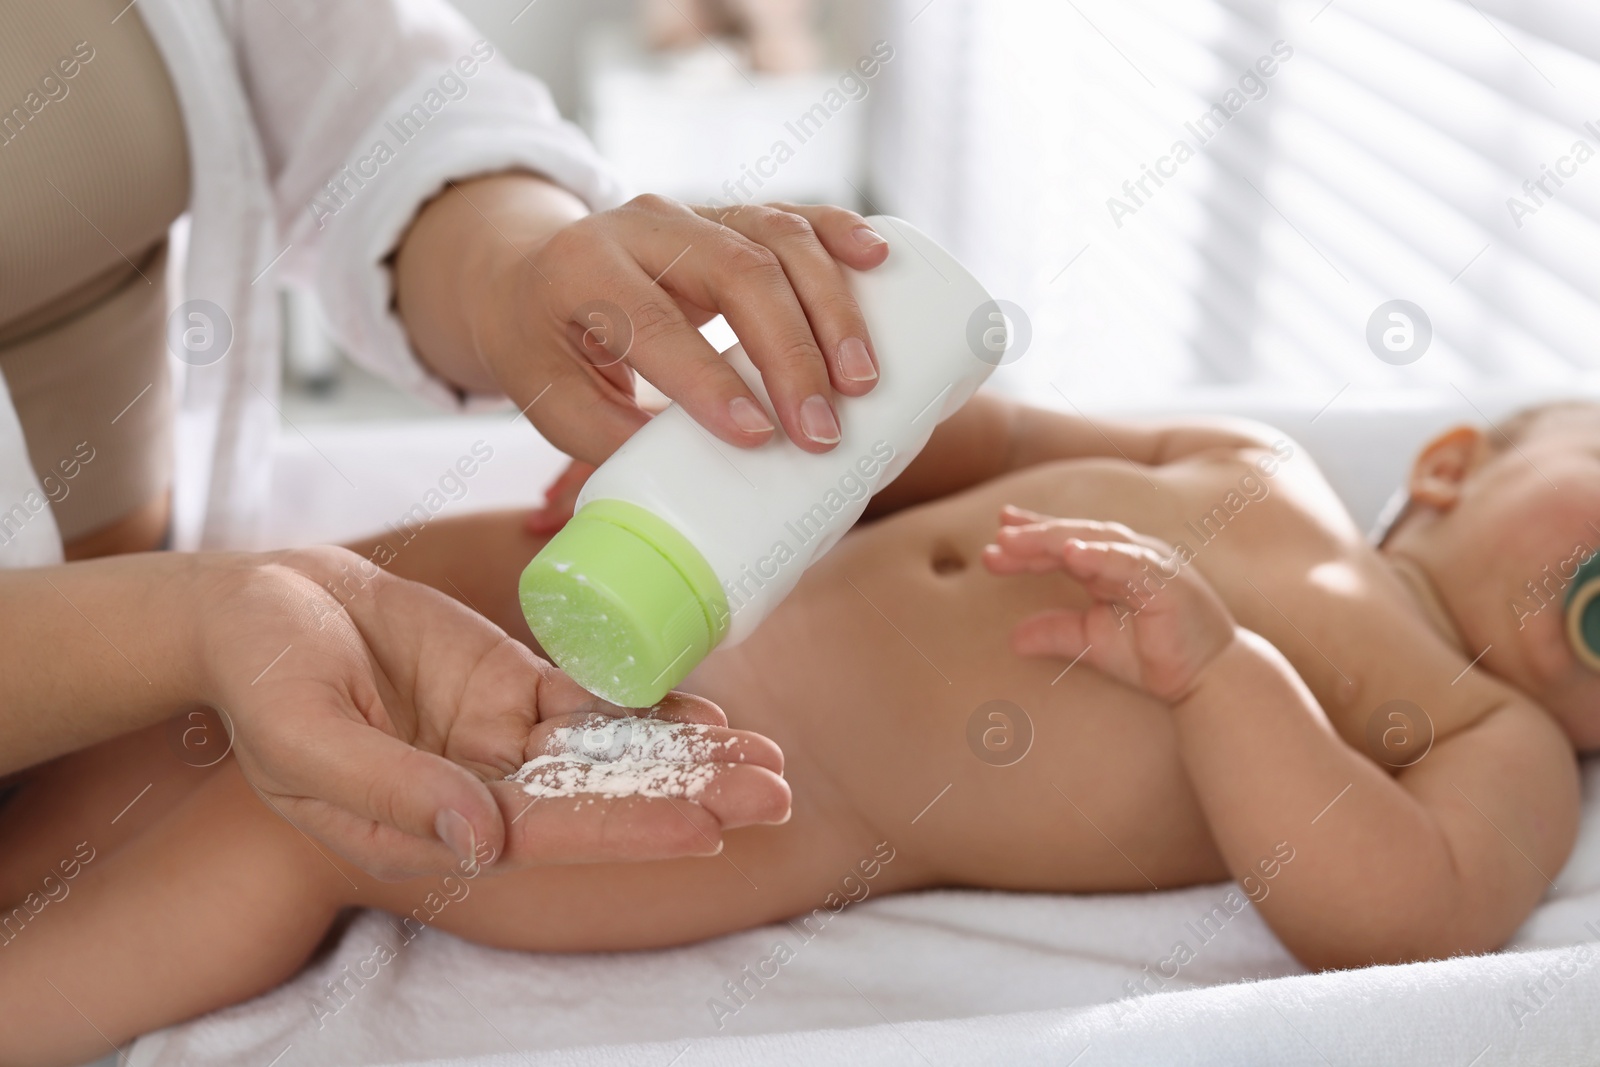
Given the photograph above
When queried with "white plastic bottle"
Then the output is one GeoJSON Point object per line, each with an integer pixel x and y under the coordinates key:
{"type": "Point", "coordinates": [681, 542]}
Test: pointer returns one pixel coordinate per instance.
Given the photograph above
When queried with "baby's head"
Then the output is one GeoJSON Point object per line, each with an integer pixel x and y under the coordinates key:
{"type": "Point", "coordinates": [1501, 519]}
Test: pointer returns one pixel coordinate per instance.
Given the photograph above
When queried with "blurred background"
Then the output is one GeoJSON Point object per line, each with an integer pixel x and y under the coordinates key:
{"type": "Point", "coordinates": [1186, 200]}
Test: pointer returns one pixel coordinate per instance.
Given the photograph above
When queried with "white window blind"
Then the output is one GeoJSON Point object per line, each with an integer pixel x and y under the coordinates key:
{"type": "Point", "coordinates": [1380, 160]}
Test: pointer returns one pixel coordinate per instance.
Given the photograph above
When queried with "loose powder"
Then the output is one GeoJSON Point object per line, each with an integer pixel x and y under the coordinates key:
{"type": "Point", "coordinates": [624, 757]}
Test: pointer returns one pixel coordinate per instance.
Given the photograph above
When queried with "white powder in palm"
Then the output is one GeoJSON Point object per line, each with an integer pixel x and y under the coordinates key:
{"type": "Point", "coordinates": [624, 757]}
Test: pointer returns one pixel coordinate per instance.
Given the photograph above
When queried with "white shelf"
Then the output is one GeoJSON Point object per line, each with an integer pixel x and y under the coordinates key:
{"type": "Point", "coordinates": [699, 125]}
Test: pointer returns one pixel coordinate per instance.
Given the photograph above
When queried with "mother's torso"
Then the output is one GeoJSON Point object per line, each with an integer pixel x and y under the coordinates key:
{"type": "Point", "coordinates": [94, 168]}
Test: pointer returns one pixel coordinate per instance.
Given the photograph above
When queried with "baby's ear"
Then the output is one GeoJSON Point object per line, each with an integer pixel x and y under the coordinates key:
{"type": "Point", "coordinates": [1442, 467]}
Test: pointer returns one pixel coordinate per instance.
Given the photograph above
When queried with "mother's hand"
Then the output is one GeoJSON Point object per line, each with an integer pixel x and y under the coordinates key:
{"type": "Point", "coordinates": [380, 716]}
{"type": "Point", "coordinates": [506, 284]}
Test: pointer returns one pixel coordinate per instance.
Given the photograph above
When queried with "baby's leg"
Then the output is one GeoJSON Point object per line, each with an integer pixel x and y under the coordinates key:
{"type": "Point", "coordinates": [476, 559]}
{"type": "Point", "coordinates": [823, 857]}
{"type": "Point", "coordinates": [218, 901]}
{"type": "Point", "coordinates": [101, 797]}
{"type": "Point", "coordinates": [221, 900]}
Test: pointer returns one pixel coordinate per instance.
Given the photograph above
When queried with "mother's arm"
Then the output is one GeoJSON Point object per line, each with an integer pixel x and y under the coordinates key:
{"type": "Point", "coordinates": [373, 712]}
{"type": "Point", "coordinates": [92, 650]}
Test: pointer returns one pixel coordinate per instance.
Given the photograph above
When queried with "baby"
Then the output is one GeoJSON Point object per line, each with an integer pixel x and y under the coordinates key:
{"type": "Point", "coordinates": [1173, 660]}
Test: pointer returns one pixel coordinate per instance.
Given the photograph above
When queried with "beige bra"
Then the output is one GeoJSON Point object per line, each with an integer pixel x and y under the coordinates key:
{"type": "Point", "coordinates": [94, 168]}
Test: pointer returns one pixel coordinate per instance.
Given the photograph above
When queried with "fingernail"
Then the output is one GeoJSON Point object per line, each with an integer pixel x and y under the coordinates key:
{"type": "Point", "coordinates": [748, 416]}
{"type": "Point", "coordinates": [456, 832]}
{"type": "Point", "coordinates": [855, 363]}
{"type": "Point", "coordinates": [867, 237]}
{"type": "Point", "coordinates": [817, 420]}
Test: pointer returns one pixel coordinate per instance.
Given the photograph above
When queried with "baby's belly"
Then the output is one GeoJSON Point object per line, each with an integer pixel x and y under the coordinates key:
{"type": "Point", "coordinates": [888, 679]}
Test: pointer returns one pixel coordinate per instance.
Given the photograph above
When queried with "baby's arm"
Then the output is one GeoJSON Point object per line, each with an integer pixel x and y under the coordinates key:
{"type": "Point", "coordinates": [1448, 858]}
{"type": "Point", "coordinates": [991, 436]}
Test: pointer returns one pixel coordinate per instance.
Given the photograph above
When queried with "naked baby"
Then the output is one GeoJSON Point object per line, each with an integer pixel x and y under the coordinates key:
{"type": "Point", "coordinates": [1218, 676]}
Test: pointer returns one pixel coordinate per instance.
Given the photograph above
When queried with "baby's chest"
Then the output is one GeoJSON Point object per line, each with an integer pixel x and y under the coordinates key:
{"type": "Point", "coordinates": [1389, 684]}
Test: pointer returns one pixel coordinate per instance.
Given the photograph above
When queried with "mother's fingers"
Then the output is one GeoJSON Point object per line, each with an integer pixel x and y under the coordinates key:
{"type": "Point", "coordinates": [704, 263]}
{"type": "Point", "coordinates": [586, 829]}
{"type": "Point", "coordinates": [600, 787]}
{"type": "Point", "coordinates": [836, 321]}
{"type": "Point", "coordinates": [385, 853]}
{"type": "Point", "coordinates": [658, 339]}
{"type": "Point", "coordinates": [584, 415]}
{"type": "Point", "coordinates": [654, 268]}
{"type": "Point", "coordinates": [374, 792]}
{"type": "Point", "coordinates": [590, 828]}
{"type": "Point", "coordinates": [847, 236]}
{"type": "Point", "coordinates": [686, 707]}
{"type": "Point", "coordinates": [623, 744]}
{"type": "Point", "coordinates": [746, 795]}
{"type": "Point", "coordinates": [651, 268]}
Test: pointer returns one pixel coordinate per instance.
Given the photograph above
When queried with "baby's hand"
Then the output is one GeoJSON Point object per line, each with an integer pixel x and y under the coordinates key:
{"type": "Point", "coordinates": [1155, 623]}
{"type": "Point", "coordinates": [559, 498]}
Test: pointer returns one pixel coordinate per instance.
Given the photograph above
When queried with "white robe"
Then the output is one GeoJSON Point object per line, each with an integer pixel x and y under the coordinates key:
{"type": "Point", "coordinates": [279, 97]}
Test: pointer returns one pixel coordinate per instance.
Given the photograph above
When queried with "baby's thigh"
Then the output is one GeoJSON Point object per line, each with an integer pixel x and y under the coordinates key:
{"type": "Point", "coordinates": [99, 798]}
{"type": "Point", "coordinates": [216, 902]}
{"type": "Point", "coordinates": [476, 559]}
{"type": "Point", "coordinates": [763, 875]}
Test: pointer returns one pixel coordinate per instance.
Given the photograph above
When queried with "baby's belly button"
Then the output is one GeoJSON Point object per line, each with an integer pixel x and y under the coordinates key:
{"type": "Point", "coordinates": [900, 567]}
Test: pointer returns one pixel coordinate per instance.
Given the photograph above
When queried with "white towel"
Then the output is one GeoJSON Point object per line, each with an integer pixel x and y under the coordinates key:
{"type": "Point", "coordinates": [1032, 964]}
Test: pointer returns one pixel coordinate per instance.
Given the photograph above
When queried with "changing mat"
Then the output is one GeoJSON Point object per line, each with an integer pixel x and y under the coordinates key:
{"type": "Point", "coordinates": [1032, 966]}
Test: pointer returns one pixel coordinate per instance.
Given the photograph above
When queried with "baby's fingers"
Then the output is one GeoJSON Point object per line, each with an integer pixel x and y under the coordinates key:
{"type": "Point", "coordinates": [1114, 570]}
{"type": "Point", "coordinates": [1027, 525]}
{"type": "Point", "coordinates": [1012, 515]}
{"type": "Point", "coordinates": [1036, 546]}
{"type": "Point", "coordinates": [559, 499]}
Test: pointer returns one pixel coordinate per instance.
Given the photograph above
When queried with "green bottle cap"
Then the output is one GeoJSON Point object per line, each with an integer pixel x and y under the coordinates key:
{"type": "Point", "coordinates": [1583, 612]}
{"type": "Point", "coordinates": [623, 603]}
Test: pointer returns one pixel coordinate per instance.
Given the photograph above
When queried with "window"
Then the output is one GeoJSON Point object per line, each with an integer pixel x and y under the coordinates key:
{"type": "Point", "coordinates": [1197, 195]}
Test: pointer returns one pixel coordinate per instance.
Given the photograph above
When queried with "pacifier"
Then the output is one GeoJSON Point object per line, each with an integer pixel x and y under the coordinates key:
{"type": "Point", "coordinates": [1583, 613]}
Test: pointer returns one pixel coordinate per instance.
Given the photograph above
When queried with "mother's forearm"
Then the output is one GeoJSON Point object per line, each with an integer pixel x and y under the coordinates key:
{"type": "Point", "coordinates": [475, 235]}
{"type": "Point", "coordinates": [96, 649]}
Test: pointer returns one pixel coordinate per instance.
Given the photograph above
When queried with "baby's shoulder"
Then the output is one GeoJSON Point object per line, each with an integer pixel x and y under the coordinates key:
{"type": "Point", "coordinates": [1268, 468]}
{"type": "Point", "coordinates": [1419, 693]}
